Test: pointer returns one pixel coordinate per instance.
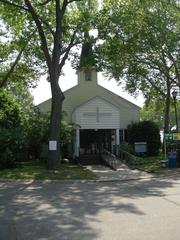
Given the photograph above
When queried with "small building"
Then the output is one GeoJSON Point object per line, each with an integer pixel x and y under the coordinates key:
{"type": "Point", "coordinates": [100, 116]}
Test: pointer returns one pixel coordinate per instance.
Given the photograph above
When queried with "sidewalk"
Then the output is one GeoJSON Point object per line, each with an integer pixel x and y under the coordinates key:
{"type": "Point", "coordinates": [123, 173]}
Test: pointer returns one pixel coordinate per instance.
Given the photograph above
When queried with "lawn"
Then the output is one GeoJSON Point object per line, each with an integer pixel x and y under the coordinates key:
{"type": "Point", "coordinates": [152, 164]}
{"type": "Point", "coordinates": [37, 171]}
{"type": "Point", "coordinates": [149, 164]}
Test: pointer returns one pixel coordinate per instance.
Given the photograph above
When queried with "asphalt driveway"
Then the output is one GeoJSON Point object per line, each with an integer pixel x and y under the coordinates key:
{"type": "Point", "coordinates": [135, 210]}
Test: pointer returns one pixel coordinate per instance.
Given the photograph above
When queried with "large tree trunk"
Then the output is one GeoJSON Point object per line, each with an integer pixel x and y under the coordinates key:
{"type": "Point", "coordinates": [167, 110]}
{"type": "Point", "coordinates": [54, 155]}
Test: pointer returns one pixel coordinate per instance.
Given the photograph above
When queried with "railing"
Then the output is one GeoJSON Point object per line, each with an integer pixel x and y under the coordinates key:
{"type": "Point", "coordinates": [114, 162]}
{"type": "Point", "coordinates": [127, 157]}
{"type": "Point", "coordinates": [110, 159]}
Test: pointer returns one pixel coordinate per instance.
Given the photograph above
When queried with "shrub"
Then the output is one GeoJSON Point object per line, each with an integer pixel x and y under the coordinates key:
{"type": "Point", "coordinates": [36, 133]}
{"type": "Point", "coordinates": [127, 147]}
{"type": "Point", "coordinates": [11, 137]}
{"type": "Point", "coordinates": [9, 112]}
{"type": "Point", "coordinates": [146, 131]}
{"type": "Point", "coordinates": [11, 147]}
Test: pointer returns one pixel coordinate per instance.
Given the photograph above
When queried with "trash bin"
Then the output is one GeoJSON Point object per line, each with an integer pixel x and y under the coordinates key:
{"type": "Point", "coordinates": [172, 160]}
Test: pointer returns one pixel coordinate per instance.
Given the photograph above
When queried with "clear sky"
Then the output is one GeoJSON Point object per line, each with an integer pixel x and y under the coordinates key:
{"type": "Point", "coordinates": [42, 92]}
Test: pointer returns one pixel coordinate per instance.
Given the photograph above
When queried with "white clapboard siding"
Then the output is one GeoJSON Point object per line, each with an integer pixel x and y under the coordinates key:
{"type": "Point", "coordinates": [97, 114]}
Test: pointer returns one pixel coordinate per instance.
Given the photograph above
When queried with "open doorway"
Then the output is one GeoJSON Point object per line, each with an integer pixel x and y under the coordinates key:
{"type": "Point", "coordinates": [92, 141]}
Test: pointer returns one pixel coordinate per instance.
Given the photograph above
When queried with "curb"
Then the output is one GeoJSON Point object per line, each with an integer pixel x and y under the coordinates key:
{"type": "Point", "coordinates": [74, 181]}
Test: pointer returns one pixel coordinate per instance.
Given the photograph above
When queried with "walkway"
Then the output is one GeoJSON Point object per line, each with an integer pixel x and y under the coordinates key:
{"type": "Point", "coordinates": [123, 173]}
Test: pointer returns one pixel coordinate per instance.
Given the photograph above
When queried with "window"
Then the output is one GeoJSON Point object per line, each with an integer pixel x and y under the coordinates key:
{"type": "Point", "coordinates": [88, 75]}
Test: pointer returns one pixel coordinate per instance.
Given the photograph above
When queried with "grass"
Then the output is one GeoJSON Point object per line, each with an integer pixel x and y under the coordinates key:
{"type": "Point", "coordinates": [153, 165]}
{"type": "Point", "coordinates": [37, 171]}
{"type": "Point", "coordinates": [149, 164]}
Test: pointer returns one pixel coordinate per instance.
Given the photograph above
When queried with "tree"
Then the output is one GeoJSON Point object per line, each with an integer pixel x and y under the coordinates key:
{"type": "Point", "coordinates": [60, 25]}
{"type": "Point", "coordinates": [15, 65]}
{"type": "Point", "coordinates": [154, 111]}
{"type": "Point", "coordinates": [141, 47]}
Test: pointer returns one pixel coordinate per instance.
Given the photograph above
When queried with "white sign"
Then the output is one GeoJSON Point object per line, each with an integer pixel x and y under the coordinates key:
{"type": "Point", "coordinates": [52, 145]}
{"type": "Point", "coordinates": [140, 147]}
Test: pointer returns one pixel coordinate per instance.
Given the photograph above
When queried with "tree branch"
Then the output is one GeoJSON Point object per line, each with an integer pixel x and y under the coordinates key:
{"type": "Point", "coordinates": [11, 70]}
{"type": "Point", "coordinates": [44, 3]}
{"type": "Point", "coordinates": [175, 66]}
{"type": "Point", "coordinates": [156, 87]}
{"type": "Point", "coordinates": [70, 1]}
{"type": "Point", "coordinates": [67, 50]}
{"type": "Point", "coordinates": [65, 3]}
{"type": "Point", "coordinates": [58, 34]}
{"type": "Point", "coordinates": [47, 25]}
{"type": "Point", "coordinates": [14, 5]}
{"type": "Point", "coordinates": [37, 21]}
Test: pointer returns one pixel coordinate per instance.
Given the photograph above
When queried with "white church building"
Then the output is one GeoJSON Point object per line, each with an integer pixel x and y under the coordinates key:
{"type": "Point", "coordinates": [100, 116]}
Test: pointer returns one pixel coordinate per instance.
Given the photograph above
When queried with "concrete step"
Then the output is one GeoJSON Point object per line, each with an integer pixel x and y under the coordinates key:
{"type": "Point", "coordinates": [89, 159]}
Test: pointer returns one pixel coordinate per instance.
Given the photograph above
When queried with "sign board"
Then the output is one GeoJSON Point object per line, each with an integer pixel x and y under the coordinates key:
{"type": "Point", "coordinates": [52, 145]}
{"type": "Point", "coordinates": [168, 136]}
{"type": "Point", "coordinates": [140, 147]}
{"type": "Point", "coordinates": [172, 136]}
{"type": "Point", "coordinates": [176, 136]}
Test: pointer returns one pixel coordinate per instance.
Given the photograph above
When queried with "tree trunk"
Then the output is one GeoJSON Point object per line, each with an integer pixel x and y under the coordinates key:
{"type": "Point", "coordinates": [54, 153]}
{"type": "Point", "coordinates": [167, 109]}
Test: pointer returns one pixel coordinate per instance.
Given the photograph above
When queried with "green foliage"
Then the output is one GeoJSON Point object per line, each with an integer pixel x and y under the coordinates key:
{"type": "Point", "coordinates": [66, 138]}
{"type": "Point", "coordinates": [36, 133]}
{"type": "Point", "coordinates": [11, 137]}
{"type": "Point", "coordinates": [11, 147]}
{"type": "Point", "coordinates": [154, 111]}
{"type": "Point", "coordinates": [9, 112]}
{"type": "Point", "coordinates": [141, 47]}
{"type": "Point", "coordinates": [127, 147]}
{"type": "Point", "coordinates": [145, 34]}
{"type": "Point", "coordinates": [145, 131]}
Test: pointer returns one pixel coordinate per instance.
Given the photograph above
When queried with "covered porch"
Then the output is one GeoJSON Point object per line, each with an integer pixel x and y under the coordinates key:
{"type": "Point", "coordinates": [93, 141]}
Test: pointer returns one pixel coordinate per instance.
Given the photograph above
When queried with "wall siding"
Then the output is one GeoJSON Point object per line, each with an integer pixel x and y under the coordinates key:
{"type": "Point", "coordinates": [97, 114]}
{"type": "Point", "coordinates": [88, 90]}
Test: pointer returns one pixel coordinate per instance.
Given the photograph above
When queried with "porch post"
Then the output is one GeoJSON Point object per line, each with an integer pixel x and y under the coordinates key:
{"type": "Point", "coordinates": [77, 142]}
{"type": "Point", "coordinates": [117, 141]}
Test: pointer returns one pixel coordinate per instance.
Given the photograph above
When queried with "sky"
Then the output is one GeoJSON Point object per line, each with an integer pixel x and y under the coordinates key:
{"type": "Point", "coordinates": [42, 92]}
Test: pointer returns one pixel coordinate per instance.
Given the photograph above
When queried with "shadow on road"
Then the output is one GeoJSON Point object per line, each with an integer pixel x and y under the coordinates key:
{"type": "Point", "coordinates": [68, 211]}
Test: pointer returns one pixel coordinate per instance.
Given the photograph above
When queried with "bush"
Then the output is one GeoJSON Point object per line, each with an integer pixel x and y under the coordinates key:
{"type": "Point", "coordinates": [9, 112]}
{"type": "Point", "coordinates": [37, 129]}
{"type": "Point", "coordinates": [11, 137]}
{"type": "Point", "coordinates": [146, 131]}
{"type": "Point", "coordinates": [36, 134]}
{"type": "Point", "coordinates": [127, 147]}
{"type": "Point", "coordinates": [11, 147]}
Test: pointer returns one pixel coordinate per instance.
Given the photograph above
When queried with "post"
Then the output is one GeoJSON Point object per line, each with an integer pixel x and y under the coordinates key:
{"type": "Point", "coordinates": [117, 141]}
{"type": "Point", "coordinates": [77, 142]}
{"type": "Point", "coordinates": [174, 94]}
{"type": "Point", "coordinates": [175, 108]}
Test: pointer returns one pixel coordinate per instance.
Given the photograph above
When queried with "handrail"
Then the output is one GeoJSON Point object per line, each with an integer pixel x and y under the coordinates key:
{"type": "Point", "coordinates": [124, 155]}
{"type": "Point", "coordinates": [110, 159]}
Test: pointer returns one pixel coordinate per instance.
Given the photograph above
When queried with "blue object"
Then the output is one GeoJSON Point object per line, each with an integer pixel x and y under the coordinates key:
{"type": "Point", "coordinates": [172, 160]}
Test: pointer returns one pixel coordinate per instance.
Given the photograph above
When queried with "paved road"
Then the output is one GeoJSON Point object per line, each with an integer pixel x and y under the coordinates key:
{"type": "Point", "coordinates": [135, 210]}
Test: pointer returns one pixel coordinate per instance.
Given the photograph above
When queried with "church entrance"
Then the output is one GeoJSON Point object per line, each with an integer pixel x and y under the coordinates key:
{"type": "Point", "coordinates": [93, 141]}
